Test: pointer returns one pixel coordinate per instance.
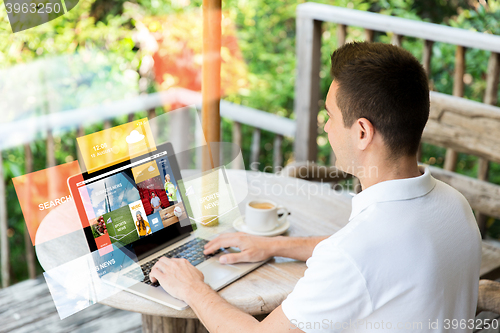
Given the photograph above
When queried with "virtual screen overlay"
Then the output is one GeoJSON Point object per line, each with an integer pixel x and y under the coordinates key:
{"type": "Point", "coordinates": [93, 227]}
{"type": "Point", "coordinates": [131, 203]}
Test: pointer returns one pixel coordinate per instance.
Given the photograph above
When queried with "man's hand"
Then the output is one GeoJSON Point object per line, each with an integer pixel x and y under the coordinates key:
{"type": "Point", "coordinates": [179, 278]}
{"type": "Point", "coordinates": [253, 248]}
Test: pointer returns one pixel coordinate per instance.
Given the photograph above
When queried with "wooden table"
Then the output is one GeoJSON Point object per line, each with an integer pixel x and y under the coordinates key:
{"type": "Point", "coordinates": [315, 209]}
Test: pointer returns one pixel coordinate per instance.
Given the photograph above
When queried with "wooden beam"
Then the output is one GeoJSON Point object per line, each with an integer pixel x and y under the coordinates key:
{"type": "Point", "coordinates": [369, 35]}
{"type": "Point", "coordinates": [257, 118]}
{"type": "Point", "coordinates": [396, 39]}
{"type": "Point", "coordinates": [277, 154]}
{"type": "Point", "coordinates": [488, 296]}
{"type": "Point", "coordinates": [400, 26]}
{"type": "Point", "coordinates": [450, 162]}
{"type": "Point", "coordinates": [333, 158]}
{"type": "Point", "coordinates": [426, 57]}
{"type": "Point", "coordinates": [237, 139]}
{"type": "Point", "coordinates": [492, 79]}
{"type": "Point", "coordinates": [341, 34]}
{"type": "Point", "coordinates": [95, 114]}
{"type": "Point", "coordinates": [426, 63]}
{"type": "Point", "coordinates": [458, 76]}
{"type": "Point", "coordinates": [463, 125]}
{"type": "Point", "coordinates": [490, 97]}
{"type": "Point", "coordinates": [482, 196]}
{"type": "Point", "coordinates": [210, 87]}
{"type": "Point", "coordinates": [107, 124]}
{"type": "Point", "coordinates": [153, 125]}
{"type": "Point", "coordinates": [51, 156]}
{"type": "Point", "coordinates": [255, 149]}
{"type": "Point", "coordinates": [308, 50]}
{"type": "Point", "coordinates": [28, 246]}
{"type": "Point", "coordinates": [4, 239]}
{"type": "Point", "coordinates": [157, 324]}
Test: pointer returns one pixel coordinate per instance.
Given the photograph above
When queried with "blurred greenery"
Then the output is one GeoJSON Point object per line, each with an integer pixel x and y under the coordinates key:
{"type": "Point", "coordinates": [266, 38]}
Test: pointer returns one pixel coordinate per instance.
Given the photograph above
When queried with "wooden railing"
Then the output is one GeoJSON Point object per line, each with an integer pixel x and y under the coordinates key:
{"type": "Point", "coordinates": [310, 17]}
{"type": "Point", "coordinates": [29, 128]}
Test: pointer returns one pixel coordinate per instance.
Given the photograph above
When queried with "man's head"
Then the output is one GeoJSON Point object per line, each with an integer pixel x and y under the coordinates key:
{"type": "Point", "coordinates": [378, 103]}
{"type": "Point", "coordinates": [153, 194]}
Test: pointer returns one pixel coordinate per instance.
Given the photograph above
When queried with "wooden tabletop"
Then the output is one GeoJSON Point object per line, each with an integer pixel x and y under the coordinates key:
{"type": "Point", "coordinates": [315, 209]}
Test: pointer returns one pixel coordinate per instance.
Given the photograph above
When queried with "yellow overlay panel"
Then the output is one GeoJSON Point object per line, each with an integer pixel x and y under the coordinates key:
{"type": "Point", "coordinates": [117, 144]}
{"type": "Point", "coordinates": [145, 171]}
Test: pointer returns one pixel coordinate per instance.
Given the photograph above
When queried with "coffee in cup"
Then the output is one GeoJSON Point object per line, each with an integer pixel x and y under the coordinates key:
{"type": "Point", "coordinates": [262, 215]}
{"type": "Point", "coordinates": [261, 205]}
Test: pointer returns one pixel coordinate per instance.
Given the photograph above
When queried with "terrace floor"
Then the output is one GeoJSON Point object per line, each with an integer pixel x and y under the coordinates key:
{"type": "Point", "coordinates": [28, 307]}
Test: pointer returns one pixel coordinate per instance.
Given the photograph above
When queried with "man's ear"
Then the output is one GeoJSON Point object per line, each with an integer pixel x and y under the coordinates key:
{"type": "Point", "coordinates": [364, 133]}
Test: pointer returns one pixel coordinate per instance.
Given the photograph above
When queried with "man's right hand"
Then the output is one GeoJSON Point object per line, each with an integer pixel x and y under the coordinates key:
{"type": "Point", "coordinates": [253, 248]}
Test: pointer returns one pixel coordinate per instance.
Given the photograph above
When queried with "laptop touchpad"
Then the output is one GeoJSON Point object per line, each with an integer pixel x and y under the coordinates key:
{"type": "Point", "coordinates": [215, 273]}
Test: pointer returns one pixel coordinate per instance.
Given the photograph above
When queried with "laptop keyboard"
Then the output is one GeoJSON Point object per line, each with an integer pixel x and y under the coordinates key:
{"type": "Point", "coordinates": [192, 251]}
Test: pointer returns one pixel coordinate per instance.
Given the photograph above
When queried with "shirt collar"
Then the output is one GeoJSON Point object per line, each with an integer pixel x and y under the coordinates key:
{"type": "Point", "coordinates": [393, 190]}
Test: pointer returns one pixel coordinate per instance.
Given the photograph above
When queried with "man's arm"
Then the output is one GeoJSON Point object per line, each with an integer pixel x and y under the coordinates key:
{"type": "Point", "coordinates": [255, 248]}
{"type": "Point", "coordinates": [182, 280]}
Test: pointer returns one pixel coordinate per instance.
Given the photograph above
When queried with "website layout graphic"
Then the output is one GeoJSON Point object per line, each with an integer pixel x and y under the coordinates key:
{"type": "Point", "coordinates": [132, 204]}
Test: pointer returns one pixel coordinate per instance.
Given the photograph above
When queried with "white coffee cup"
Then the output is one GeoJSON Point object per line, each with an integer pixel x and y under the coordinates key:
{"type": "Point", "coordinates": [262, 215]}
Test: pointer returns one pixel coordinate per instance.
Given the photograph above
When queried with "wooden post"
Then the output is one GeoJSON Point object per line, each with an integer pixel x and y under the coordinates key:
{"type": "Point", "coordinates": [450, 162]}
{"type": "Point", "coordinates": [4, 239]}
{"type": "Point", "coordinates": [153, 125]}
{"type": "Point", "coordinates": [79, 133]}
{"type": "Point", "coordinates": [179, 123]}
{"type": "Point", "coordinates": [426, 63]}
{"type": "Point", "coordinates": [28, 246]}
{"type": "Point", "coordinates": [341, 34]}
{"type": "Point", "coordinates": [396, 39]}
{"type": "Point", "coordinates": [155, 324]}
{"type": "Point", "coordinates": [255, 149]}
{"type": "Point", "coordinates": [237, 145]}
{"type": "Point", "coordinates": [306, 107]}
{"type": "Point", "coordinates": [210, 88]}
{"type": "Point", "coordinates": [426, 59]}
{"type": "Point", "coordinates": [51, 156]}
{"type": "Point", "coordinates": [107, 124]}
{"type": "Point", "coordinates": [490, 97]}
{"type": "Point", "coordinates": [369, 35]}
{"type": "Point", "coordinates": [341, 38]}
{"type": "Point", "coordinates": [277, 154]}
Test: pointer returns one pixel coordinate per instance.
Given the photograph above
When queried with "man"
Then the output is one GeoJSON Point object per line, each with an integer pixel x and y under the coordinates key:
{"type": "Point", "coordinates": [409, 257]}
{"type": "Point", "coordinates": [155, 202]}
{"type": "Point", "coordinates": [170, 189]}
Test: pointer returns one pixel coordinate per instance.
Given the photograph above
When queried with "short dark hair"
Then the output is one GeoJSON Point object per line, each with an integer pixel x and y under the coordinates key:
{"type": "Point", "coordinates": [386, 85]}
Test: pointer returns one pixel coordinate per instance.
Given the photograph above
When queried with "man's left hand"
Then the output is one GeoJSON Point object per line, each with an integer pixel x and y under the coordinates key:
{"type": "Point", "coordinates": [178, 277]}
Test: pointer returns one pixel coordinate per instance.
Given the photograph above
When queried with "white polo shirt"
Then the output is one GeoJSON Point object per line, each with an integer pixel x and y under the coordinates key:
{"type": "Point", "coordinates": [408, 260]}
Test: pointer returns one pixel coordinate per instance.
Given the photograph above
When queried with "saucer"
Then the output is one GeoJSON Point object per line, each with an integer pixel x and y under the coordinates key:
{"type": "Point", "coordinates": [239, 224]}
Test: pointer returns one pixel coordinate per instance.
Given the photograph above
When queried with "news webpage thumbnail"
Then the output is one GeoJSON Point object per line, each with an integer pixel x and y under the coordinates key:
{"type": "Point", "coordinates": [115, 210]}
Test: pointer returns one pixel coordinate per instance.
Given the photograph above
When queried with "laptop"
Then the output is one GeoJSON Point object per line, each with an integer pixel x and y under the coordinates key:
{"type": "Point", "coordinates": [137, 205]}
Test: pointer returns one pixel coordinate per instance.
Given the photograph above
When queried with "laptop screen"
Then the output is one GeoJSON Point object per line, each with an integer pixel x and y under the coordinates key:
{"type": "Point", "coordinates": [135, 204]}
